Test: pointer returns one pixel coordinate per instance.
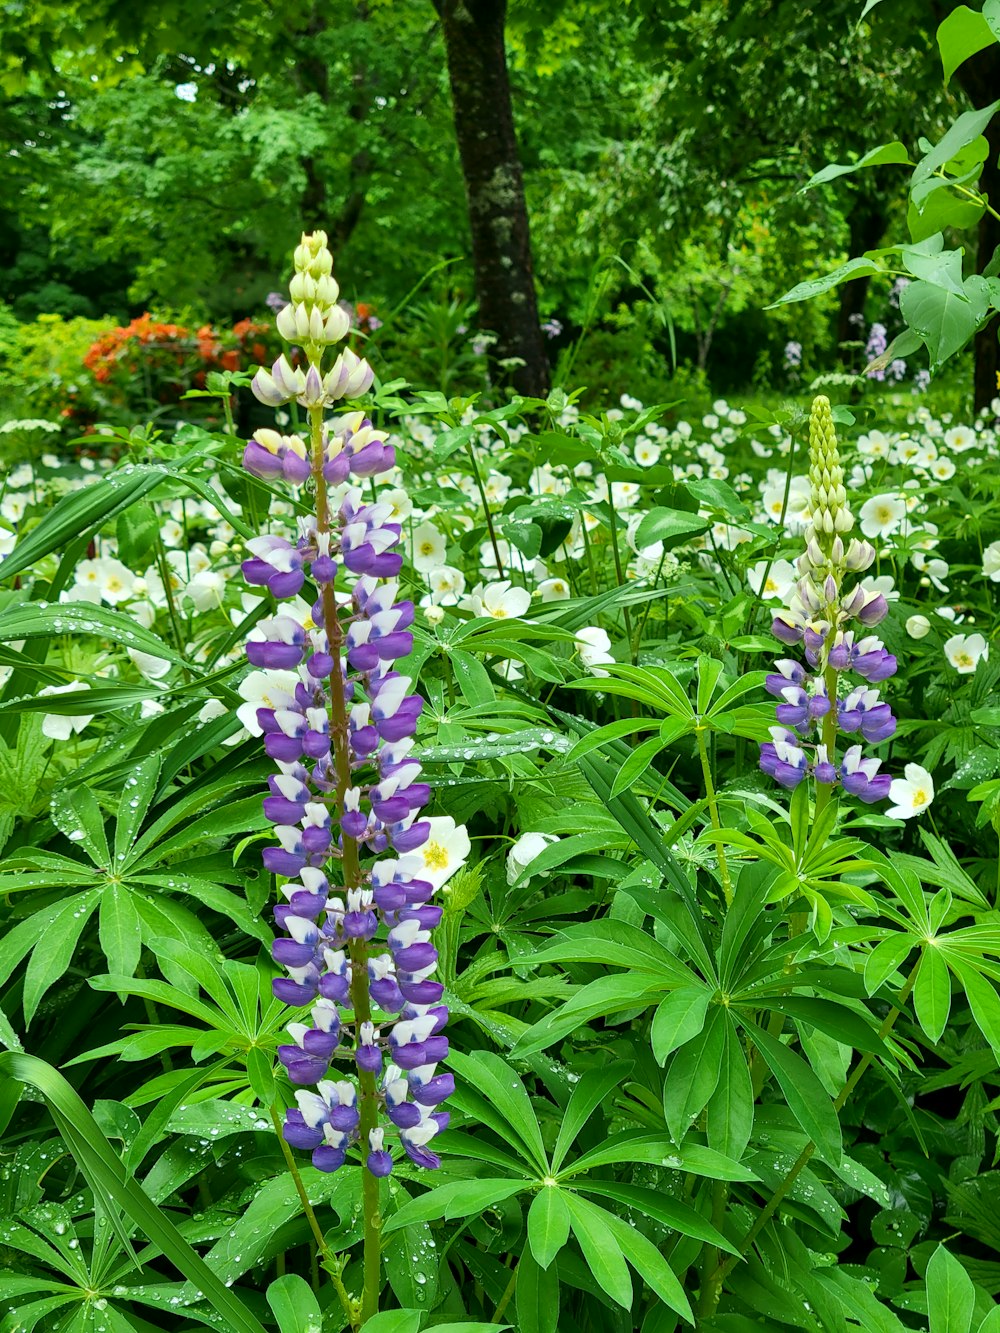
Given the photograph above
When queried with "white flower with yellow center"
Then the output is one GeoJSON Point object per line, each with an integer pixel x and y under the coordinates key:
{"type": "Point", "coordinates": [647, 454]}
{"type": "Point", "coordinates": [444, 852]}
{"type": "Point", "coordinates": [882, 514]}
{"type": "Point", "coordinates": [874, 444]}
{"type": "Point", "coordinates": [447, 584]}
{"type": "Point", "coordinates": [910, 794]}
{"type": "Point", "coordinates": [501, 601]}
{"type": "Point", "coordinates": [780, 574]}
{"type": "Point", "coordinates": [965, 651]}
{"type": "Point", "coordinates": [265, 689]}
{"type": "Point", "coordinates": [116, 581]}
{"type": "Point", "coordinates": [554, 590]}
{"type": "Point", "coordinates": [428, 547]}
{"type": "Point", "coordinates": [960, 438]}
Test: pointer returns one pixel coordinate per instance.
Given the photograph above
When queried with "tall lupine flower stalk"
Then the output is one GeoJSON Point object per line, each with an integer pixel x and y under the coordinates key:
{"type": "Point", "coordinates": [829, 616]}
{"type": "Point", "coordinates": [339, 722]}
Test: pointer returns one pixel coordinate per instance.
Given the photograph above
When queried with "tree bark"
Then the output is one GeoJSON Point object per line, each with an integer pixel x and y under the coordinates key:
{"type": "Point", "coordinates": [498, 217]}
{"type": "Point", "coordinates": [980, 77]}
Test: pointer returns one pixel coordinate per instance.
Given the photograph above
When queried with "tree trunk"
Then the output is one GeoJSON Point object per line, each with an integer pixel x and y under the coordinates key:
{"type": "Point", "coordinates": [498, 217]}
{"type": "Point", "coordinates": [980, 77]}
{"type": "Point", "coordinates": [867, 221]}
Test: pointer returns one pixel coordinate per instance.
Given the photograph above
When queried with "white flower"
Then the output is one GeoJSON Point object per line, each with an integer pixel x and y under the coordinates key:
{"type": "Point", "coordinates": [7, 540]}
{"type": "Point", "coordinates": [874, 444]}
{"type": "Point", "coordinates": [960, 438]}
{"type": "Point", "coordinates": [912, 794]}
{"type": "Point", "coordinates": [153, 668]}
{"type": "Point", "coordinates": [214, 708]}
{"type": "Point", "coordinates": [882, 583]}
{"type": "Point", "coordinates": [965, 651]}
{"type": "Point", "coordinates": [265, 689]}
{"type": "Point", "coordinates": [446, 584]}
{"type": "Point", "coordinates": [433, 614]}
{"type": "Point", "coordinates": [882, 515]}
{"type": "Point", "coordinates": [206, 589]}
{"type": "Point", "coordinates": [942, 469]}
{"type": "Point", "coordinates": [445, 851]}
{"type": "Point", "coordinates": [524, 851]}
{"type": "Point", "coordinates": [501, 600]}
{"type": "Point", "coordinates": [428, 546]}
{"type": "Point", "coordinates": [58, 726]}
{"type": "Point", "coordinates": [12, 506]}
{"type": "Point", "coordinates": [780, 578]}
{"type": "Point", "coordinates": [646, 453]}
{"type": "Point", "coordinates": [991, 562]}
{"type": "Point", "coordinates": [593, 646]}
{"type": "Point", "coordinates": [497, 488]}
{"type": "Point", "coordinates": [918, 627]}
{"type": "Point", "coordinates": [554, 590]}
{"type": "Point", "coordinates": [402, 505]}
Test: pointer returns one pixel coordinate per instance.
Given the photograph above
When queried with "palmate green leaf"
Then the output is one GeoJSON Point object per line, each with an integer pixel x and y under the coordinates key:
{"type": "Point", "coordinates": [650, 1264]}
{"type": "Point", "coordinates": [694, 1075]}
{"type": "Point", "coordinates": [730, 1113]}
{"type": "Point", "coordinates": [548, 1224]}
{"type": "Point", "coordinates": [659, 1206]}
{"type": "Point", "coordinates": [803, 1092]}
{"type": "Point", "coordinates": [617, 944]}
{"type": "Point", "coordinates": [33, 620]}
{"type": "Point", "coordinates": [75, 813]}
{"type": "Point", "coordinates": [536, 1296]}
{"type": "Point", "coordinates": [604, 997]}
{"type": "Point", "coordinates": [57, 939]}
{"type": "Point", "coordinates": [458, 1198]}
{"type": "Point", "coordinates": [103, 1169]}
{"type": "Point", "coordinates": [588, 1093]}
{"type": "Point", "coordinates": [601, 1249]}
{"type": "Point", "coordinates": [639, 761]}
{"type": "Point", "coordinates": [932, 993]}
{"type": "Point", "coordinates": [558, 853]}
{"type": "Point", "coordinates": [120, 930]}
{"type": "Point", "coordinates": [138, 791]}
{"type": "Point", "coordinates": [411, 1262]}
{"type": "Point", "coordinates": [496, 1081]}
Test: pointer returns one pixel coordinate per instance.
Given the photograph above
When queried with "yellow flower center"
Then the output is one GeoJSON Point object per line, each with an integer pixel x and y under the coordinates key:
{"type": "Point", "coordinates": [920, 798]}
{"type": "Point", "coordinates": [435, 856]}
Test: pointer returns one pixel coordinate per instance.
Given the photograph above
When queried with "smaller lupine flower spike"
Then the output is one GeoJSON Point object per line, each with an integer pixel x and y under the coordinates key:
{"type": "Point", "coordinates": [813, 708]}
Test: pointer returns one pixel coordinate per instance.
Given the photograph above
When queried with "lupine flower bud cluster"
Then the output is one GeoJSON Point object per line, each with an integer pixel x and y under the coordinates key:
{"type": "Point", "coordinates": [339, 723]}
{"type": "Point", "coordinates": [829, 617]}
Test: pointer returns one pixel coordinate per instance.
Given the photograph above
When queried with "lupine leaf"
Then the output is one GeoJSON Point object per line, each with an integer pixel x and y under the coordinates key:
{"type": "Point", "coordinates": [537, 1296]}
{"type": "Point", "coordinates": [103, 1168]}
{"type": "Point", "coordinates": [548, 1224]}
{"type": "Point", "coordinates": [601, 1249]}
{"type": "Point", "coordinates": [497, 1081]}
{"type": "Point", "coordinates": [586, 1096]}
{"type": "Point", "coordinates": [803, 1092]}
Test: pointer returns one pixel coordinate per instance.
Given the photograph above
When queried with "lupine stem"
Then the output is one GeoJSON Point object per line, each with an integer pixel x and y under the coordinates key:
{"type": "Point", "coordinates": [358, 948]}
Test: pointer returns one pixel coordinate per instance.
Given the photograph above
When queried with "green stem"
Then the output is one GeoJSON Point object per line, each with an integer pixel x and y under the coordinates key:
{"type": "Point", "coordinates": [504, 1300]}
{"type": "Point", "coordinates": [616, 552]}
{"type": "Point", "coordinates": [713, 809]}
{"type": "Point", "coordinates": [716, 1280]}
{"type": "Point", "coordinates": [486, 507]}
{"type": "Point", "coordinates": [331, 1261]}
{"type": "Point", "coordinates": [351, 868]}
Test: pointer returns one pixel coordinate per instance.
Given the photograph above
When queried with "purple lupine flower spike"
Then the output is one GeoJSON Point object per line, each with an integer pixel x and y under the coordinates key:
{"type": "Point", "coordinates": [338, 720]}
{"type": "Point", "coordinates": [811, 708]}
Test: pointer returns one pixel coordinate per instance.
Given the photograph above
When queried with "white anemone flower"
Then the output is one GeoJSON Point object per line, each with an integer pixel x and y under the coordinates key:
{"type": "Point", "coordinates": [781, 576]}
{"type": "Point", "coordinates": [991, 562]}
{"type": "Point", "coordinates": [960, 438]}
{"type": "Point", "coordinates": [447, 584]}
{"type": "Point", "coordinates": [445, 851]}
{"type": "Point", "coordinates": [918, 627]}
{"type": "Point", "coordinates": [501, 601]}
{"type": "Point", "coordinates": [965, 651]}
{"type": "Point", "coordinates": [528, 847]}
{"type": "Point", "coordinates": [882, 515]}
{"type": "Point", "coordinates": [910, 794]}
{"type": "Point", "coordinates": [428, 546]}
{"type": "Point", "coordinates": [554, 590]}
{"type": "Point", "coordinates": [593, 645]}
{"type": "Point", "coordinates": [153, 668]}
{"type": "Point", "coordinates": [265, 689]}
{"type": "Point", "coordinates": [60, 726]}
